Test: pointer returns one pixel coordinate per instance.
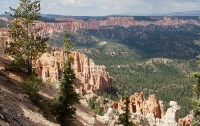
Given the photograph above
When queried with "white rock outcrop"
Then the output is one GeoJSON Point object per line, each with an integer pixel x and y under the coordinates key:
{"type": "Point", "coordinates": [172, 115]}
{"type": "Point", "coordinates": [169, 119]}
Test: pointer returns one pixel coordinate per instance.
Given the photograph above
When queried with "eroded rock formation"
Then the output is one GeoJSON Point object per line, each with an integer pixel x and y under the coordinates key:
{"type": "Point", "coordinates": [169, 119]}
{"type": "Point", "coordinates": [186, 121]}
{"type": "Point", "coordinates": [172, 115]}
{"type": "Point", "coordinates": [138, 104]}
{"type": "Point", "coordinates": [90, 77]}
{"type": "Point", "coordinates": [47, 67]}
{"type": "Point", "coordinates": [72, 24]}
{"type": "Point", "coordinates": [148, 112]}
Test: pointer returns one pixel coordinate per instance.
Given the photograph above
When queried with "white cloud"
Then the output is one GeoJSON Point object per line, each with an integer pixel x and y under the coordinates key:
{"type": "Point", "coordinates": [6, 2]}
{"type": "Point", "coordinates": [76, 3]}
{"type": "Point", "coordinates": [107, 7]}
{"type": "Point", "coordinates": [184, 5]}
{"type": "Point", "coordinates": [83, 5]}
{"type": "Point", "coordinates": [52, 5]}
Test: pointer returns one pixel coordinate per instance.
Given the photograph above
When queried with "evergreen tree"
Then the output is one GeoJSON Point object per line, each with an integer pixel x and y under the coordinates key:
{"type": "Point", "coordinates": [64, 108]}
{"type": "Point", "coordinates": [27, 42]}
{"type": "Point", "coordinates": [196, 100]}
{"type": "Point", "coordinates": [124, 117]}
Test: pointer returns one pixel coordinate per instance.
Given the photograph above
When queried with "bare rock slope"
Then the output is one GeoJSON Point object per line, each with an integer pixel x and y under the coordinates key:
{"type": "Point", "coordinates": [16, 108]}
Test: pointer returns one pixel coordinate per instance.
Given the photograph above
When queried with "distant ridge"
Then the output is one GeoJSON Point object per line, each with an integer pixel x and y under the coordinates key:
{"type": "Point", "coordinates": [186, 13]}
{"type": "Point", "coordinates": [52, 15]}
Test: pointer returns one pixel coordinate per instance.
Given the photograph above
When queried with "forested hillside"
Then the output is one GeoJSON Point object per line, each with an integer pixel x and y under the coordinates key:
{"type": "Point", "coordinates": [155, 60]}
{"type": "Point", "coordinates": [167, 78]}
{"type": "Point", "coordinates": [150, 57]}
{"type": "Point", "coordinates": [155, 41]}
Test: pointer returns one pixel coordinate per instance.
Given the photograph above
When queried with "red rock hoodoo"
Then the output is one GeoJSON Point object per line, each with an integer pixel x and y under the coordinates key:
{"type": "Point", "coordinates": [90, 77]}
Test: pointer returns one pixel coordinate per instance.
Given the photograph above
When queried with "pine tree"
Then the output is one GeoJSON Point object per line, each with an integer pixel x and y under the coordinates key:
{"type": "Point", "coordinates": [64, 108]}
{"type": "Point", "coordinates": [27, 42]}
{"type": "Point", "coordinates": [124, 117]}
{"type": "Point", "coordinates": [195, 100]}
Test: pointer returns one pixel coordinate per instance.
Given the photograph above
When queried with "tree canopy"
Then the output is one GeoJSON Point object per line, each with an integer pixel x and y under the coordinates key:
{"type": "Point", "coordinates": [65, 108]}
{"type": "Point", "coordinates": [124, 117]}
{"type": "Point", "coordinates": [27, 41]}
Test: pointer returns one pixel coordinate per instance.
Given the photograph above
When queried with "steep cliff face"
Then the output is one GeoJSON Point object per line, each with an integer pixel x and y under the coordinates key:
{"type": "Point", "coordinates": [47, 67]}
{"type": "Point", "coordinates": [138, 104]}
{"type": "Point", "coordinates": [147, 112]}
{"type": "Point", "coordinates": [90, 77]}
{"type": "Point", "coordinates": [72, 24]}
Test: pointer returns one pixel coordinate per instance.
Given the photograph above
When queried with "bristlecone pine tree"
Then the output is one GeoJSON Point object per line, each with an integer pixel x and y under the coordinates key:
{"type": "Point", "coordinates": [124, 117]}
{"type": "Point", "coordinates": [27, 42]}
{"type": "Point", "coordinates": [64, 107]}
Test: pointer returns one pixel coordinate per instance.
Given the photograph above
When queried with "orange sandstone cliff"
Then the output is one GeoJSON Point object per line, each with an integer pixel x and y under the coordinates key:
{"type": "Point", "coordinates": [138, 104]}
{"type": "Point", "coordinates": [90, 77]}
{"type": "Point", "coordinates": [148, 112]}
{"type": "Point", "coordinates": [72, 24]}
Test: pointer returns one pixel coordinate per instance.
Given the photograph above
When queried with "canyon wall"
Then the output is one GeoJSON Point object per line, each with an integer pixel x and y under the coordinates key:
{"type": "Point", "coordinates": [148, 112]}
{"type": "Point", "coordinates": [90, 77]}
{"type": "Point", "coordinates": [138, 104]}
{"type": "Point", "coordinates": [72, 24]}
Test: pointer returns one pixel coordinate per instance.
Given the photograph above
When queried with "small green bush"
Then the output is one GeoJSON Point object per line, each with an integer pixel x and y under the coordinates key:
{"type": "Point", "coordinates": [46, 108]}
{"type": "Point", "coordinates": [95, 105]}
{"type": "Point", "coordinates": [33, 85]}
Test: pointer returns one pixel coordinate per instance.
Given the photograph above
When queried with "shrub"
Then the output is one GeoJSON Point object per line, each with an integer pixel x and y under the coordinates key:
{"type": "Point", "coordinates": [32, 86]}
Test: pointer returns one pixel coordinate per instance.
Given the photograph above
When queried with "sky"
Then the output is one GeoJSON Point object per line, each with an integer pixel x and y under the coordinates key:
{"type": "Point", "coordinates": [108, 7]}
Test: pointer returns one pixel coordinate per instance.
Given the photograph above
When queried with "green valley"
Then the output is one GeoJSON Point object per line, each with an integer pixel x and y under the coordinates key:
{"type": "Point", "coordinates": [139, 70]}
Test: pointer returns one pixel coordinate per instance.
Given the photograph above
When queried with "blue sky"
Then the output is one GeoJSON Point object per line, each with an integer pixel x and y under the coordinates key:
{"type": "Point", "coordinates": [108, 7]}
